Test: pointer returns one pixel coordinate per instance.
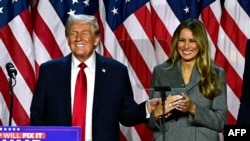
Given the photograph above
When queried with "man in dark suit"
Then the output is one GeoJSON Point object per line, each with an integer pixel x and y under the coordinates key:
{"type": "Point", "coordinates": [244, 110]}
{"type": "Point", "coordinates": [109, 93]}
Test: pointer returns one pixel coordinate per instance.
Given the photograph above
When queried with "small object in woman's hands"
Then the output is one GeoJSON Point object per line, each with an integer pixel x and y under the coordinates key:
{"type": "Point", "coordinates": [180, 97]}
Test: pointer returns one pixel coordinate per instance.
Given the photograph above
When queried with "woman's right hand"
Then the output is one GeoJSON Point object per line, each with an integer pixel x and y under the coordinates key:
{"type": "Point", "coordinates": [170, 103]}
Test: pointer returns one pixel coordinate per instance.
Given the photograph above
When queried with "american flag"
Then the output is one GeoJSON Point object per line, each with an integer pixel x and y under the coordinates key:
{"type": "Point", "coordinates": [16, 46]}
{"type": "Point", "coordinates": [135, 32]}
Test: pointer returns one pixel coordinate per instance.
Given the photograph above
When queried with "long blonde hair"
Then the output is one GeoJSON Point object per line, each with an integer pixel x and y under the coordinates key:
{"type": "Point", "coordinates": [210, 84]}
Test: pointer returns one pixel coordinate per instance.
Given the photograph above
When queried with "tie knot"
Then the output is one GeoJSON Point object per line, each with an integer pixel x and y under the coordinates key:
{"type": "Point", "coordinates": [82, 66]}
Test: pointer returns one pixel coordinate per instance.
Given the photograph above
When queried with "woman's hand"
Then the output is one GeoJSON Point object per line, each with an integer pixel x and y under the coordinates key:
{"type": "Point", "coordinates": [186, 105]}
{"type": "Point", "coordinates": [170, 103]}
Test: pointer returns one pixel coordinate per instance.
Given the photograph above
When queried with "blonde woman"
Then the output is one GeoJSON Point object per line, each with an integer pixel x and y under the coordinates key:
{"type": "Point", "coordinates": [202, 113]}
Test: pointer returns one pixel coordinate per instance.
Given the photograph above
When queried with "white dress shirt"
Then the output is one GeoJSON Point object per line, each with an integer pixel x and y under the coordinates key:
{"type": "Point", "coordinates": [90, 74]}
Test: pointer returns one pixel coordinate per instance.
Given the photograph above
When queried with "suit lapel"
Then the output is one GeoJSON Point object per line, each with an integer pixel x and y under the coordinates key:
{"type": "Point", "coordinates": [100, 77]}
{"type": "Point", "coordinates": [65, 76]}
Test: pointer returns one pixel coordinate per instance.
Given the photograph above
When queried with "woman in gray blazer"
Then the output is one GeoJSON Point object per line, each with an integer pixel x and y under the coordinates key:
{"type": "Point", "coordinates": [202, 114]}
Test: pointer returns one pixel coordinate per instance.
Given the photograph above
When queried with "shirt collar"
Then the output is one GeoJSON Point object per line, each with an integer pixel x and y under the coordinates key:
{"type": "Point", "coordinates": [90, 62]}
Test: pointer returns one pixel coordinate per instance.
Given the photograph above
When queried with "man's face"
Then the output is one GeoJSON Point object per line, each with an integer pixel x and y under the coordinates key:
{"type": "Point", "coordinates": [82, 40]}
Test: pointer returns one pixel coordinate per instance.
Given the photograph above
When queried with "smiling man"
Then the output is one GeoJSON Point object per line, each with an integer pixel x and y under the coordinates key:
{"type": "Point", "coordinates": [108, 94]}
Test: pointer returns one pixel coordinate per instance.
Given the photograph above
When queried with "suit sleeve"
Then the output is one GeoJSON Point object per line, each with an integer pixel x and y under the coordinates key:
{"type": "Point", "coordinates": [244, 110]}
{"type": "Point", "coordinates": [131, 112]}
{"type": "Point", "coordinates": [37, 104]}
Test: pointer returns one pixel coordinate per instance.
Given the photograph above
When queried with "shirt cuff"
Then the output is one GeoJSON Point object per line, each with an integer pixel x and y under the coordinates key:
{"type": "Point", "coordinates": [147, 113]}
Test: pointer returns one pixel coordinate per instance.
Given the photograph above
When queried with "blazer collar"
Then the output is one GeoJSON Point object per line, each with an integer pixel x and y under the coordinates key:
{"type": "Point", "coordinates": [175, 76]}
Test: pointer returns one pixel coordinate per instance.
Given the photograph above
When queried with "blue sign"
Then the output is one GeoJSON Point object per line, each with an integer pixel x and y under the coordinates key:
{"type": "Point", "coordinates": [40, 133]}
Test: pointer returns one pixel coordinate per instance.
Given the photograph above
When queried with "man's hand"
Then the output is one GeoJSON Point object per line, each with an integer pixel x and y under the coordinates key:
{"type": "Point", "coordinates": [152, 104]}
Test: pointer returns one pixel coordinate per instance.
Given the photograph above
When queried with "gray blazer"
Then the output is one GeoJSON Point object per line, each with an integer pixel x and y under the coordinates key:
{"type": "Point", "coordinates": [210, 116]}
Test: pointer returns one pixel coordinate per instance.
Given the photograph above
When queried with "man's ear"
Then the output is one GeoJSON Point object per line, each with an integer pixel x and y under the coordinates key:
{"type": "Point", "coordinates": [97, 41]}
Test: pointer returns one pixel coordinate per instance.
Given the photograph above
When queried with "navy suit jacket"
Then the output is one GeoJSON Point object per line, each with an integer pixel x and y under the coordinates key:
{"type": "Point", "coordinates": [113, 98]}
{"type": "Point", "coordinates": [244, 110]}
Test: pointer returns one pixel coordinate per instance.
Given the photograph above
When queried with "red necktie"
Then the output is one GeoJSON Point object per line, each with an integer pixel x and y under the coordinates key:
{"type": "Point", "coordinates": [79, 108]}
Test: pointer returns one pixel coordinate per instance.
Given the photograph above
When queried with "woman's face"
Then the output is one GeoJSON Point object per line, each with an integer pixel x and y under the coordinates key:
{"type": "Point", "coordinates": [187, 46]}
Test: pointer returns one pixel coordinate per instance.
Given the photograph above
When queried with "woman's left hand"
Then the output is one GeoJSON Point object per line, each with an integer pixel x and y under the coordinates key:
{"type": "Point", "coordinates": [186, 105]}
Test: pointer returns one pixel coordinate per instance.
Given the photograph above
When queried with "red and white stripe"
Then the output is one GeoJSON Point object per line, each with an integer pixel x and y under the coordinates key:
{"type": "Point", "coordinates": [16, 47]}
{"type": "Point", "coordinates": [233, 34]}
{"type": "Point", "coordinates": [131, 44]}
